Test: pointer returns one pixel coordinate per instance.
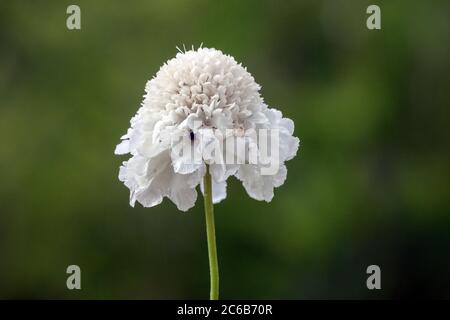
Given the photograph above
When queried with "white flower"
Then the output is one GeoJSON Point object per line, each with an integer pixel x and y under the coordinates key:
{"type": "Point", "coordinates": [192, 94]}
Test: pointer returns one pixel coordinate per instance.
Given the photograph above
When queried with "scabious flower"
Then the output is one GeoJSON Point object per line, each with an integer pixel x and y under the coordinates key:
{"type": "Point", "coordinates": [203, 120]}
{"type": "Point", "coordinates": [192, 95]}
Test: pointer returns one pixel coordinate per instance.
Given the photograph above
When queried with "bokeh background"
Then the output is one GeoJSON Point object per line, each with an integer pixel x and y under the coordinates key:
{"type": "Point", "coordinates": [370, 184]}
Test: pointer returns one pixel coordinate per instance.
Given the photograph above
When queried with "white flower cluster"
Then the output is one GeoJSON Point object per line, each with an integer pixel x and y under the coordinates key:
{"type": "Point", "coordinates": [193, 94]}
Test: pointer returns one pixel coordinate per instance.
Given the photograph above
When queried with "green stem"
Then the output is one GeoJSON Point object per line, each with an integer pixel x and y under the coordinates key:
{"type": "Point", "coordinates": [211, 236]}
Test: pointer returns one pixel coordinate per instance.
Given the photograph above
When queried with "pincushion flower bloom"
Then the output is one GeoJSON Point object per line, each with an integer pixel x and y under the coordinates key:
{"type": "Point", "coordinates": [193, 93]}
{"type": "Point", "coordinates": [202, 121]}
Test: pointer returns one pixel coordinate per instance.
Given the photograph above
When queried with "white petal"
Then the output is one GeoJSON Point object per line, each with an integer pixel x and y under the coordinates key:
{"type": "Point", "coordinates": [260, 187]}
{"type": "Point", "coordinates": [288, 124]}
{"type": "Point", "coordinates": [195, 178]}
{"type": "Point", "coordinates": [194, 122]}
{"type": "Point", "coordinates": [149, 197]}
{"type": "Point", "coordinates": [258, 117]}
{"type": "Point", "coordinates": [280, 177]}
{"type": "Point", "coordinates": [186, 158]}
{"type": "Point", "coordinates": [219, 190]}
{"type": "Point", "coordinates": [148, 180]}
{"type": "Point", "coordinates": [181, 194]}
{"type": "Point", "coordinates": [123, 147]}
{"type": "Point", "coordinates": [218, 171]}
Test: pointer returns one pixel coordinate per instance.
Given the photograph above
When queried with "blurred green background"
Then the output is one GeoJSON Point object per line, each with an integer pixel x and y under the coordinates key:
{"type": "Point", "coordinates": [370, 184]}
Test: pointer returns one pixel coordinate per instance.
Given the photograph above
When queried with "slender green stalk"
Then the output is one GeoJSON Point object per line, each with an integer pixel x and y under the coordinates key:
{"type": "Point", "coordinates": [211, 236]}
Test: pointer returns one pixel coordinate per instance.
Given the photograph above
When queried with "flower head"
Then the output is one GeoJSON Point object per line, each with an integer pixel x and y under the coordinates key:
{"type": "Point", "coordinates": [203, 108]}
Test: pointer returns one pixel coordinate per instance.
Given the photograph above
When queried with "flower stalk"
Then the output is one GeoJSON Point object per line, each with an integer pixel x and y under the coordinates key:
{"type": "Point", "coordinates": [211, 237]}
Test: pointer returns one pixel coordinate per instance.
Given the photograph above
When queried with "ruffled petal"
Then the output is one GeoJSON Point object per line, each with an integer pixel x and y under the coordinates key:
{"type": "Point", "coordinates": [181, 193]}
{"type": "Point", "coordinates": [260, 187]}
{"type": "Point", "coordinates": [219, 190]}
